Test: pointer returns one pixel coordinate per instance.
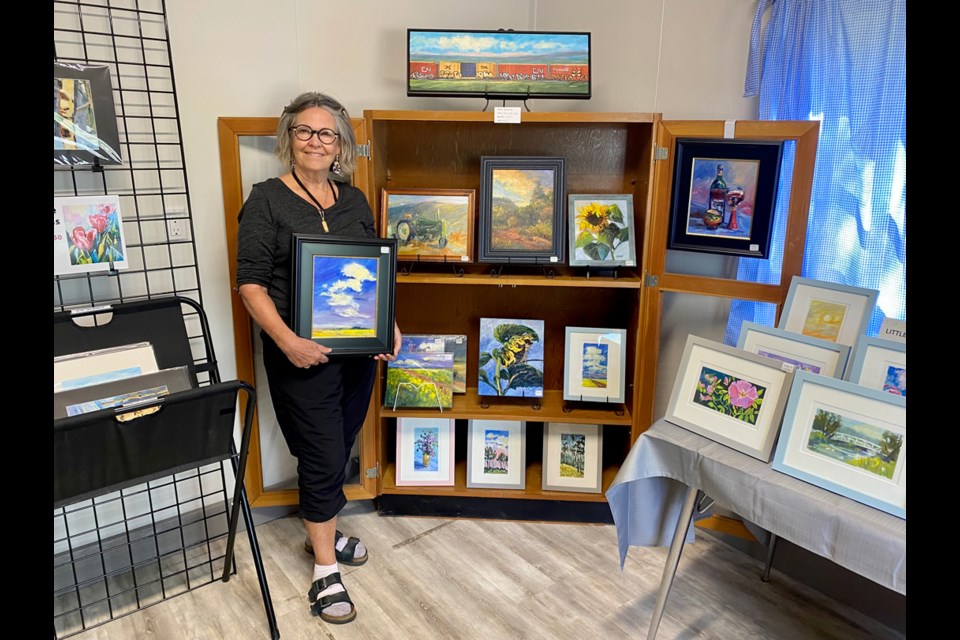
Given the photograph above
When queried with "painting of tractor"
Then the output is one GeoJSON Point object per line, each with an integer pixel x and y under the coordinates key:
{"type": "Point", "coordinates": [424, 228]}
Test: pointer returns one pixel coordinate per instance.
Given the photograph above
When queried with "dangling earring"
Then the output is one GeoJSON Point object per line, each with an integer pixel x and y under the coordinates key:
{"type": "Point", "coordinates": [335, 167]}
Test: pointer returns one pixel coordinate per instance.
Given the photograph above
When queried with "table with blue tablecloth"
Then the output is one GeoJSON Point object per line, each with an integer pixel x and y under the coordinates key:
{"type": "Point", "coordinates": [654, 495]}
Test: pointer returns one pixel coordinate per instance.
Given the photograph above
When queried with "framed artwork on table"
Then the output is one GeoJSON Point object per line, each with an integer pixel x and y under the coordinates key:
{"type": "Point", "coordinates": [343, 292]}
{"type": "Point", "coordinates": [521, 217]}
{"type": "Point", "coordinates": [496, 454]}
{"type": "Point", "coordinates": [846, 438]}
{"type": "Point", "coordinates": [572, 457]}
{"type": "Point", "coordinates": [511, 358]}
{"type": "Point", "coordinates": [87, 235]}
{"type": "Point", "coordinates": [441, 343]}
{"type": "Point", "coordinates": [421, 380]}
{"type": "Point", "coordinates": [601, 230]}
{"type": "Point", "coordinates": [729, 395]}
{"type": "Point", "coordinates": [498, 64]}
{"type": "Point", "coordinates": [827, 310]}
{"type": "Point", "coordinates": [425, 452]}
{"type": "Point", "coordinates": [880, 364]}
{"type": "Point", "coordinates": [724, 195]}
{"type": "Point", "coordinates": [84, 120]}
{"type": "Point", "coordinates": [794, 349]}
{"type": "Point", "coordinates": [594, 364]}
{"type": "Point", "coordinates": [430, 225]}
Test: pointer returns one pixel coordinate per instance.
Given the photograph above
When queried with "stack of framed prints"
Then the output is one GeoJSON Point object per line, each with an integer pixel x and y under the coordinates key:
{"type": "Point", "coordinates": [827, 310]}
{"type": "Point", "coordinates": [430, 225]}
{"type": "Point", "coordinates": [880, 364]}
{"type": "Point", "coordinates": [120, 393]}
{"type": "Point", "coordinates": [794, 349]}
{"type": "Point", "coordinates": [572, 457]}
{"type": "Point", "coordinates": [594, 364]}
{"type": "Point", "coordinates": [511, 358]}
{"type": "Point", "coordinates": [87, 235]}
{"type": "Point", "coordinates": [601, 230]}
{"type": "Point", "coordinates": [443, 343]}
{"type": "Point", "coordinates": [79, 370]}
{"type": "Point", "coordinates": [729, 395]}
{"type": "Point", "coordinates": [848, 439]}
{"type": "Point", "coordinates": [425, 452]}
{"type": "Point", "coordinates": [496, 454]}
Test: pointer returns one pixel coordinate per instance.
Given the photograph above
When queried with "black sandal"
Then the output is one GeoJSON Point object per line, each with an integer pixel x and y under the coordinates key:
{"type": "Point", "coordinates": [345, 555]}
{"type": "Point", "coordinates": [317, 605]}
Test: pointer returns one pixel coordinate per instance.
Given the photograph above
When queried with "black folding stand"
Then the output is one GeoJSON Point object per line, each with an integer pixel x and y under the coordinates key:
{"type": "Point", "coordinates": [140, 498]}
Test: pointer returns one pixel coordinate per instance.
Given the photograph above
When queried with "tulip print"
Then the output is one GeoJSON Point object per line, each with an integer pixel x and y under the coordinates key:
{"type": "Point", "coordinates": [93, 234]}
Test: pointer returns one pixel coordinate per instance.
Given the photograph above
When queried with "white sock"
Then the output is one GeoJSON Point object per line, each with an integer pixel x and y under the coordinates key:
{"type": "Point", "coordinates": [358, 552]}
{"type": "Point", "coordinates": [337, 608]}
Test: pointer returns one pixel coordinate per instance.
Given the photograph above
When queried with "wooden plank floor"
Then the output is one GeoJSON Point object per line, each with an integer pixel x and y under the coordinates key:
{"type": "Point", "coordinates": [446, 578]}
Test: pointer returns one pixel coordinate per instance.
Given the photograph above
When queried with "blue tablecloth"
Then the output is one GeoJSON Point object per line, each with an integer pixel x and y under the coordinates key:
{"type": "Point", "coordinates": [646, 497]}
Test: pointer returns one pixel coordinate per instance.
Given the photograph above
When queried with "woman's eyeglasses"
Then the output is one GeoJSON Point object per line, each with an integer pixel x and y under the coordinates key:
{"type": "Point", "coordinates": [304, 133]}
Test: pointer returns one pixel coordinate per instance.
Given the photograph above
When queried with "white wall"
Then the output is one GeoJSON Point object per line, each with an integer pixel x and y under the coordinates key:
{"type": "Point", "coordinates": [684, 59]}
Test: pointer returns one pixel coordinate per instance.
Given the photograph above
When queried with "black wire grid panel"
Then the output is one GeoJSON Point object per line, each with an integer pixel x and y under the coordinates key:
{"type": "Point", "coordinates": [130, 38]}
{"type": "Point", "coordinates": [123, 551]}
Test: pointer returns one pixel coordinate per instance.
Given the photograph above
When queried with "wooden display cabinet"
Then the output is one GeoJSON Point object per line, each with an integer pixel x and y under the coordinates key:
{"type": "Point", "coordinates": [604, 153]}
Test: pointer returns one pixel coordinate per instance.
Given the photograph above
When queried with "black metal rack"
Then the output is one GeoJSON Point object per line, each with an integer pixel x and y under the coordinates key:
{"type": "Point", "coordinates": [142, 510]}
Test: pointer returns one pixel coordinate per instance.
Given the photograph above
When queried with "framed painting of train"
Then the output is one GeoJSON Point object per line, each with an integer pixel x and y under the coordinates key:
{"type": "Point", "coordinates": [430, 225]}
{"type": "Point", "coordinates": [498, 64]}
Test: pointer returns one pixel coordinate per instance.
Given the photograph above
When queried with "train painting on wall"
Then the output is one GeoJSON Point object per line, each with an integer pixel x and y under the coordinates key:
{"type": "Point", "coordinates": [498, 64]}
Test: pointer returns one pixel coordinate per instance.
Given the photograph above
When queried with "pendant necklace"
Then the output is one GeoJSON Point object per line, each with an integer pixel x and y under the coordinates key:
{"type": "Point", "coordinates": [320, 210]}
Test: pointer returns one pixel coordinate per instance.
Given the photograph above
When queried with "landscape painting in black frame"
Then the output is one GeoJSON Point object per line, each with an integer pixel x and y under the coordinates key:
{"type": "Point", "coordinates": [724, 196]}
{"type": "Point", "coordinates": [84, 120]}
{"type": "Point", "coordinates": [498, 64]}
{"type": "Point", "coordinates": [344, 293]}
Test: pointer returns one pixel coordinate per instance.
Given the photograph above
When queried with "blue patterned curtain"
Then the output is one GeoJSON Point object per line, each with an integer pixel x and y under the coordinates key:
{"type": "Point", "coordinates": [842, 62]}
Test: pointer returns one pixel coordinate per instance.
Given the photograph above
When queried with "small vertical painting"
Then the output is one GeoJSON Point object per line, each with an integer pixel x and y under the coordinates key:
{"type": "Point", "coordinates": [523, 209]}
{"type": "Point", "coordinates": [895, 381]}
{"type": "Point", "coordinates": [425, 458]}
{"type": "Point", "coordinates": [344, 297]}
{"type": "Point", "coordinates": [595, 358]}
{"type": "Point", "coordinates": [572, 451]}
{"type": "Point", "coordinates": [824, 319]}
{"type": "Point", "coordinates": [496, 452]}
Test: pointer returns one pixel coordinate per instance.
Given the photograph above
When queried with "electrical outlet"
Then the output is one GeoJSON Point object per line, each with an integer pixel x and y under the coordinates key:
{"type": "Point", "coordinates": [177, 228]}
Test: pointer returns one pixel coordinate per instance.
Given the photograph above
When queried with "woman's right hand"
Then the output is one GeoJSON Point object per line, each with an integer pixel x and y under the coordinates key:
{"type": "Point", "coordinates": [304, 353]}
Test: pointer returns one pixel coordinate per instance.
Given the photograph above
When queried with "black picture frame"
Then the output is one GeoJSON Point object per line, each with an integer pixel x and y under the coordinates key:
{"type": "Point", "coordinates": [84, 119]}
{"type": "Point", "coordinates": [498, 64]}
{"type": "Point", "coordinates": [498, 241]}
{"type": "Point", "coordinates": [752, 172]}
{"type": "Point", "coordinates": [355, 320]}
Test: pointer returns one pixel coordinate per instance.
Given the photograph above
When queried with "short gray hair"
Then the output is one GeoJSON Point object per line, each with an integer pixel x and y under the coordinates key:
{"type": "Point", "coordinates": [348, 142]}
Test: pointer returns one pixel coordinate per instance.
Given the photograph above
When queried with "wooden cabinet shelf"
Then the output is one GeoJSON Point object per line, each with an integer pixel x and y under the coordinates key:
{"type": "Point", "coordinates": [532, 490]}
{"type": "Point", "coordinates": [552, 405]}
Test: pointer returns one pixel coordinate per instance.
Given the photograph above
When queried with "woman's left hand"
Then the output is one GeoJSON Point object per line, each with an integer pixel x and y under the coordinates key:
{"type": "Point", "coordinates": [397, 340]}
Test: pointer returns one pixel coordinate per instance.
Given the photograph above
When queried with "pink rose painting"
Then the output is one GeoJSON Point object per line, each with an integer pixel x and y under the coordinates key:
{"type": "Point", "coordinates": [728, 395]}
{"type": "Point", "coordinates": [93, 233]}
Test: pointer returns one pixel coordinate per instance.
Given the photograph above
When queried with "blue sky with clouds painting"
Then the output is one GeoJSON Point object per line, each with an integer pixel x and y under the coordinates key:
{"type": "Point", "coordinates": [344, 292]}
{"type": "Point", "coordinates": [595, 361]}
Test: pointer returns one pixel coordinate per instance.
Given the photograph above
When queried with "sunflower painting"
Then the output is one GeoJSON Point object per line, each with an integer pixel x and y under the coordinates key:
{"type": "Point", "coordinates": [601, 230]}
{"type": "Point", "coordinates": [511, 358]}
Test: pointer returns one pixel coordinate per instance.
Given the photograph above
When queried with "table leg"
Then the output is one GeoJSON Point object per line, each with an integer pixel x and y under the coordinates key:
{"type": "Point", "coordinates": [673, 559]}
{"type": "Point", "coordinates": [771, 548]}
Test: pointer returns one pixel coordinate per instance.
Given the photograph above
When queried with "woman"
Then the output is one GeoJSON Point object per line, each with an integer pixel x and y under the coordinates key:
{"type": "Point", "coordinates": [320, 401]}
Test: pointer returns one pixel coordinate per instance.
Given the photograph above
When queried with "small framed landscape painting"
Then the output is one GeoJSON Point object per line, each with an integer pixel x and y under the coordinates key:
{"type": "Point", "coordinates": [880, 364]}
{"type": "Point", "coordinates": [441, 343]}
{"type": "Point", "coordinates": [794, 350]}
{"type": "Point", "coordinates": [430, 225]}
{"type": "Point", "coordinates": [496, 454]}
{"type": "Point", "coordinates": [521, 217]}
{"type": "Point", "coordinates": [425, 452]}
{"type": "Point", "coordinates": [827, 310]}
{"type": "Point", "coordinates": [846, 438]}
{"type": "Point", "coordinates": [511, 358]}
{"type": "Point", "coordinates": [572, 457]}
{"type": "Point", "coordinates": [421, 380]}
{"type": "Point", "coordinates": [729, 395]}
{"type": "Point", "coordinates": [343, 292]}
{"type": "Point", "coordinates": [601, 230]}
{"type": "Point", "coordinates": [594, 364]}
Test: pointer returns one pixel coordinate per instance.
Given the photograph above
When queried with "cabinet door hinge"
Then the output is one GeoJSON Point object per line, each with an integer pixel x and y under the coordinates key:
{"type": "Point", "coordinates": [363, 150]}
{"type": "Point", "coordinates": [650, 281]}
{"type": "Point", "coordinates": [660, 153]}
{"type": "Point", "coordinates": [373, 471]}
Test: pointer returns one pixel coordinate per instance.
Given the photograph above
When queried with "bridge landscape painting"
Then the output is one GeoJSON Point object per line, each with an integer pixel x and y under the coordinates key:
{"type": "Point", "coordinates": [855, 442]}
